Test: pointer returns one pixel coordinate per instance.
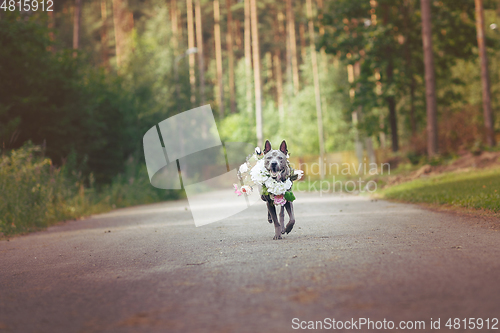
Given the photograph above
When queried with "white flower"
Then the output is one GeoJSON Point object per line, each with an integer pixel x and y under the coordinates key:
{"type": "Point", "coordinates": [259, 174]}
{"type": "Point", "coordinates": [243, 168]}
{"type": "Point", "coordinates": [246, 189]}
{"type": "Point", "coordinates": [299, 173]}
{"type": "Point", "coordinates": [277, 188]}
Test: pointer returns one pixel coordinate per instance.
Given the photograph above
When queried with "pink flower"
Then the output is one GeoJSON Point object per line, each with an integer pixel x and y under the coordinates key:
{"type": "Point", "coordinates": [236, 190]}
{"type": "Point", "coordinates": [279, 200]}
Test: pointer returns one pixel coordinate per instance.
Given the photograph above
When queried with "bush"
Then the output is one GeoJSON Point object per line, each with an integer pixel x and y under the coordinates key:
{"type": "Point", "coordinates": [34, 193]}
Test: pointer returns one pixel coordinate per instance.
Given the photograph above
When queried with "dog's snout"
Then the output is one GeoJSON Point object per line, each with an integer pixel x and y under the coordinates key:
{"type": "Point", "coordinates": [274, 164]}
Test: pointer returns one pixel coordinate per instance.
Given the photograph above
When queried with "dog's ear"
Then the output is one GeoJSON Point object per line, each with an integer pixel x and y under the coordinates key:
{"type": "Point", "coordinates": [283, 148]}
{"type": "Point", "coordinates": [267, 147]}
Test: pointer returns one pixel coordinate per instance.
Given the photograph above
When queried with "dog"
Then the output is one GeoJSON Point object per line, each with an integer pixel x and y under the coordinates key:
{"type": "Point", "coordinates": [275, 161]}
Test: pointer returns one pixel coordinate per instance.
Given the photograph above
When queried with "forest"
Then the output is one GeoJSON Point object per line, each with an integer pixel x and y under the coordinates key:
{"type": "Point", "coordinates": [80, 85]}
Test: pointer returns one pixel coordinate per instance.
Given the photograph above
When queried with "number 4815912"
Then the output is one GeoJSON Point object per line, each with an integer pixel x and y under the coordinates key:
{"type": "Point", "coordinates": [27, 5]}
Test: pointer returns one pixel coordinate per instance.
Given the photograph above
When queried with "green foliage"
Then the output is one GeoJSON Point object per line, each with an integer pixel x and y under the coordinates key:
{"type": "Point", "coordinates": [59, 101]}
{"type": "Point", "coordinates": [476, 190]}
{"type": "Point", "coordinates": [289, 196]}
{"type": "Point", "coordinates": [414, 157]}
{"type": "Point", "coordinates": [299, 124]}
{"type": "Point", "coordinates": [392, 47]}
{"type": "Point", "coordinates": [35, 194]}
{"type": "Point", "coordinates": [238, 127]}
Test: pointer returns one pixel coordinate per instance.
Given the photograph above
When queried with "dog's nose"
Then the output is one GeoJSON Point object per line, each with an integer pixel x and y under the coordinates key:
{"type": "Point", "coordinates": [274, 164]}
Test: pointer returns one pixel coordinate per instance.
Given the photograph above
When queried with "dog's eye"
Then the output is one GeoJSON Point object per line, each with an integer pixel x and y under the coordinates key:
{"type": "Point", "coordinates": [269, 157]}
{"type": "Point", "coordinates": [281, 157]}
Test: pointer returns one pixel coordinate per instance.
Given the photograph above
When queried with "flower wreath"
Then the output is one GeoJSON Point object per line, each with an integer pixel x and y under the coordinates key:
{"type": "Point", "coordinates": [253, 172]}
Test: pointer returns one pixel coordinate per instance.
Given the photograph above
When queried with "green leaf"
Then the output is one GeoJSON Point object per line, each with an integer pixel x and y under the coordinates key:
{"type": "Point", "coordinates": [289, 196]}
{"type": "Point", "coordinates": [264, 190]}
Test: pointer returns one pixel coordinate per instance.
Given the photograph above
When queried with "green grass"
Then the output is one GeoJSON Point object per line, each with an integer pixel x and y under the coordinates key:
{"type": "Point", "coordinates": [34, 194]}
{"type": "Point", "coordinates": [478, 189]}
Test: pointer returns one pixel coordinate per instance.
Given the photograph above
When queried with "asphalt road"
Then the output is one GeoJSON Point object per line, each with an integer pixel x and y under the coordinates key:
{"type": "Point", "coordinates": [149, 269]}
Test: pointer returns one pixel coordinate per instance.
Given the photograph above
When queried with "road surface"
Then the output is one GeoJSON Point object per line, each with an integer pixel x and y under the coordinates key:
{"type": "Point", "coordinates": [149, 269]}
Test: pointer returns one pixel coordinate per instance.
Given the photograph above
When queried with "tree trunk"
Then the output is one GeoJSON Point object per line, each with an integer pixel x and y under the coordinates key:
{"type": "Point", "coordinates": [391, 102]}
{"type": "Point", "coordinates": [412, 107]}
{"type": "Point", "coordinates": [321, 33]}
{"type": "Point", "coordinates": [175, 26]}
{"type": "Point", "coordinates": [218, 58]}
{"type": "Point", "coordinates": [279, 84]}
{"type": "Point", "coordinates": [76, 25]}
{"type": "Point", "coordinates": [409, 61]}
{"type": "Point", "coordinates": [237, 34]}
{"type": "Point", "coordinates": [104, 34]}
{"type": "Point", "coordinates": [50, 25]}
{"type": "Point", "coordinates": [256, 71]}
{"type": "Point", "coordinates": [277, 69]}
{"type": "Point", "coordinates": [430, 88]}
{"type": "Point", "coordinates": [288, 67]}
{"type": "Point", "coordinates": [119, 35]}
{"type": "Point", "coordinates": [192, 60]}
{"type": "Point", "coordinates": [269, 67]}
{"type": "Point", "coordinates": [248, 57]}
{"type": "Point", "coordinates": [230, 56]}
{"type": "Point", "coordinates": [488, 115]}
{"type": "Point", "coordinates": [199, 45]}
{"type": "Point", "coordinates": [302, 36]}
{"type": "Point", "coordinates": [123, 23]}
{"type": "Point", "coordinates": [293, 44]}
{"type": "Point", "coordinates": [317, 92]}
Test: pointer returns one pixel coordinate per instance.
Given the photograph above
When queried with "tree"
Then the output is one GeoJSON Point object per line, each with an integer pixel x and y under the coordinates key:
{"type": "Point", "coordinates": [430, 88]}
{"type": "Point", "coordinates": [230, 56]}
{"type": "Point", "coordinates": [488, 114]}
{"type": "Point", "coordinates": [316, 88]}
{"type": "Point", "coordinates": [175, 25]}
{"type": "Point", "coordinates": [278, 28]}
{"type": "Point", "coordinates": [123, 21]}
{"type": "Point", "coordinates": [390, 56]}
{"type": "Point", "coordinates": [190, 29]}
{"type": "Point", "coordinates": [290, 18]}
{"type": "Point", "coordinates": [248, 56]}
{"type": "Point", "coordinates": [218, 57]}
{"type": "Point", "coordinates": [199, 45]}
{"type": "Point", "coordinates": [76, 25]}
{"type": "Point", "coordinates": [389, 71]}
{"type": "Point", "coordinates": [256, 71]}
{"type": "Point", "coordinates": [104, 34]}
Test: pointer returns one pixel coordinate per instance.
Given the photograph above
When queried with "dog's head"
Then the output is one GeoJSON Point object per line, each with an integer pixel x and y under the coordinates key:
{"type": "Point", "coordinates": [275, 160]}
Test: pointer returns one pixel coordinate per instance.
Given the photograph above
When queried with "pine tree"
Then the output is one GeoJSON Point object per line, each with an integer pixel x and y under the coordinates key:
{"type": "Point", "coordinates": [488, 114]}
{"type": "Point", "coordinates": [430, 85]}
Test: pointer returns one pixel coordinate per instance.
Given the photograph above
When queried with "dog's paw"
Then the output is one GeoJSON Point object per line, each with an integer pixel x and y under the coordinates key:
{"type": "Point", "coordinates": [277, 237]}
{"type": "Point", "coordinates": [283, 230]}
{"type": "Point", "coordinates": [289, 228]}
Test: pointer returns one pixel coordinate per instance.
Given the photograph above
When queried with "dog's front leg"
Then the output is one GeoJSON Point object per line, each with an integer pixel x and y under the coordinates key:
{"type": "Point", "coordinates": [289, 209]}
{"type": "Point", "coordinates": [277, 226]}
{"type": "Point", "coordinates": [282, 219]}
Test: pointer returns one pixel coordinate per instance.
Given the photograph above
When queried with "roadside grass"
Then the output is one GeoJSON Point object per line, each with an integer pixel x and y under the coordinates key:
{"type": "Point", "coordinates": [478, 190]}
{"type": "Point", "coordinates": [35, 194]}
{"type": "Point", "coordinates": [328, 185]}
